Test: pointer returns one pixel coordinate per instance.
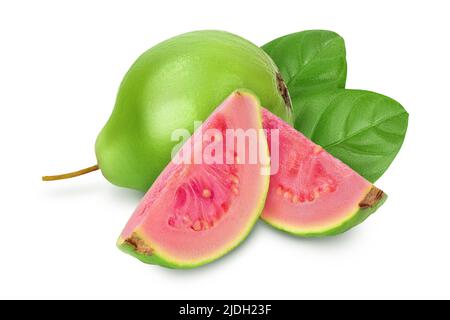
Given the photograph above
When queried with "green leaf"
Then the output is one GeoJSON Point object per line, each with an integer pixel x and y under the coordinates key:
{"type": "Point", "coordinates": [363, 129]}
{"type": "Point", "coordinates": [310, 61]}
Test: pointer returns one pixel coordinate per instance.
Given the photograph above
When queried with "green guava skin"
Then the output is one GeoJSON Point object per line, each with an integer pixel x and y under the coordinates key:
{"type": "Point", "coordinates": [172, 85]}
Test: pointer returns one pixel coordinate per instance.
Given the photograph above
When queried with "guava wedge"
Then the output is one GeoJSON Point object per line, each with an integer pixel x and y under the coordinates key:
{"type": "Point", "coordinates": [313, 194]}
{"type": "Point", "coordinates": [196, 212]}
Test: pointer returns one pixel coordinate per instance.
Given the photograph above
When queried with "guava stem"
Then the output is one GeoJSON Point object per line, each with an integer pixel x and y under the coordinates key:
{"type": "Point", "coordinates": [71, 174]}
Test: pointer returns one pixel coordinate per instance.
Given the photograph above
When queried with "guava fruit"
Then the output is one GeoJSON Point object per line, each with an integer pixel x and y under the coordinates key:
{"type": "Point", "coordinates": [313, 194]}
{"type": "Point", "coordinates": [196, 212]}
{"type": "Point", "coordinates": [169, 87]}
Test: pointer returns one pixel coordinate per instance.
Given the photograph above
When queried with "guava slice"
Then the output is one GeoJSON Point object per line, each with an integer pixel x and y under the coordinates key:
{"type": "Point", "coordinates": [195, 213]}
{"type": "Point", "coordinates": [311, 193]}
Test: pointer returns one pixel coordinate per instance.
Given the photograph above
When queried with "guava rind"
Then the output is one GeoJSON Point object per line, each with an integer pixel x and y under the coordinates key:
{"type": "Point", "coordinates": [358, 217]}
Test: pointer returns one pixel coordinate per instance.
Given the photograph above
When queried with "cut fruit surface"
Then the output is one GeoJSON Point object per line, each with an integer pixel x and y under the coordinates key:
{"type": "Point", "coordinates": [312, 193]}
{"type": "Point", "coordinates": [196, 212]}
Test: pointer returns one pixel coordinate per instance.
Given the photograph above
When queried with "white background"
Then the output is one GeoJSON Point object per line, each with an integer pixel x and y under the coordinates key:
{"type": "Point", "coordinates": [60, 66]}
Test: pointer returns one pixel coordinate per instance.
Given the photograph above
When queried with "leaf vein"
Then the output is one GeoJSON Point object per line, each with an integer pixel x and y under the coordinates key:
{"type": "Point", "coordinates": [364, 130]}
{"type": "Point", "coordinates": [300, 72]}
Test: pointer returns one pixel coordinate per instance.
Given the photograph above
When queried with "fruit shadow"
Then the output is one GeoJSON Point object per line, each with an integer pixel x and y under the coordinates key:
{"type": "Point", "coordinates": [125, 195]}
{"type": "Point", "coordinates": [330, 242]}
{"type": "Point", "coordinates": [222, 262]}
{"type": "Point", "coordinates": [96, 189]}
{"type": "Point", "coordinates": [263, 229]}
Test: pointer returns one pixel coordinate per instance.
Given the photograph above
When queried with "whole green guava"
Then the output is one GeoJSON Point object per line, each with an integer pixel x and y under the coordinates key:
{"type": "Point", "coordinates": [172, 85]}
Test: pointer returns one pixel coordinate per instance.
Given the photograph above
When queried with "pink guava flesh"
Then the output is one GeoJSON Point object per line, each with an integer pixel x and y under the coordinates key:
{"type": "Point", "coordinates": [312, 191]}
{"type": "Point", "coordinates": [195, 213]}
